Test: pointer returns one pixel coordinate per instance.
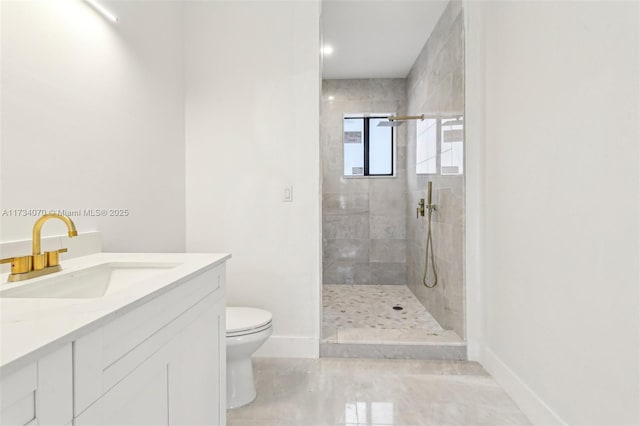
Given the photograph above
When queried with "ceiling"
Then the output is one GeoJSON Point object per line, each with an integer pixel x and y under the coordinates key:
{"type": "Point", "coordinates": [376, 39]}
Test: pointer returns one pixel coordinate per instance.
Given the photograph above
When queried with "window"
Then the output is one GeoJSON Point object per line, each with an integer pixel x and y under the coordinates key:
{"type": "Point", "coordinates": [426, 146]}
{"type": "Point", "coordinates": [452, 147]}
{"type": "Point", "coordinates": [448, 133]}
{"type": "Point", "coordinates": [368, 149]}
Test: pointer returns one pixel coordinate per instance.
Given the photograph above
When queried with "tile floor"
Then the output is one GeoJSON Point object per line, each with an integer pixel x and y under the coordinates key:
{"type": "Point", "coordinates": [371, 306]}
{"type": "Point", "coordinates": [354, 392]}
{"type": "Point", "coordinates": [364, 314]}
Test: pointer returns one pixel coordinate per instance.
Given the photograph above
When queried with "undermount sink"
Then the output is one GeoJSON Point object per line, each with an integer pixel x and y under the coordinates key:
{"type": "Point", "coordinates": [88, 283]}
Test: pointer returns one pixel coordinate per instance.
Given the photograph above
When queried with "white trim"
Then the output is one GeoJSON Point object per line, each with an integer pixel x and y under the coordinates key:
{"type": "Point", "coordinates": [474, 177]}
{"type": "Point", "coordinates": [290, 347]}
{"type": "Point", "coordinates": [638, 124]}
{"type": "Point", "coordinates": [527, 400]}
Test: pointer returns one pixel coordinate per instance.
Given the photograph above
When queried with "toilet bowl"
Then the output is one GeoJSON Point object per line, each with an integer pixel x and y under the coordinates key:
{"type": "Point", "coordinates": [247, 330]}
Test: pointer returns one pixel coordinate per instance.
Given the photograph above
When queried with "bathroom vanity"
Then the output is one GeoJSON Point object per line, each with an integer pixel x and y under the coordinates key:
{"type": "Point", "coordinates": [126, 339]}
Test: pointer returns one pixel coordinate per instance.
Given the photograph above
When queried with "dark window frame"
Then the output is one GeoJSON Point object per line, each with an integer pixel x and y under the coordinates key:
{"type": "Point", "coordinates": [365, 140]}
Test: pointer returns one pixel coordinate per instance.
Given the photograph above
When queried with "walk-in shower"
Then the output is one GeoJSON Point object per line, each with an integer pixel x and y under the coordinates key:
{"type": "Point", "coordinates": [393, 276]}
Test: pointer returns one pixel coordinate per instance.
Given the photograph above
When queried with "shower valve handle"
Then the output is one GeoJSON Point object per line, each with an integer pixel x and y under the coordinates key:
{"type": "Point", "coordinates": [420, 209]}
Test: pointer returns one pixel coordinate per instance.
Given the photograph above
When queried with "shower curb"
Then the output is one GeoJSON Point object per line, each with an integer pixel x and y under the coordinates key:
{"type": "Point", "coordinates": [454, 351]}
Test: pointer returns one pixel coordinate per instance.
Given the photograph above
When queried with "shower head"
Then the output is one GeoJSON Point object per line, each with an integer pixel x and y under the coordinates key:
{"type": "Point", "coordinates": [458, 121]}
{"type": "Point", "coordinates": [390, 123]}
{"type": "Point", "coordinates": [396, 121]}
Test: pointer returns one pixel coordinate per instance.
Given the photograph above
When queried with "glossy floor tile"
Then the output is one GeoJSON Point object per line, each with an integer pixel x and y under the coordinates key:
{"type": "Point", "coordinates": [354, 392]}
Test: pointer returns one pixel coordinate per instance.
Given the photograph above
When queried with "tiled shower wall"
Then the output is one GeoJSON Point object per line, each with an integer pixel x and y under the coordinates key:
{"type": "Point", "coordinates": [363, 219]}
{"type": "Point", "coordinates": [435, 86]}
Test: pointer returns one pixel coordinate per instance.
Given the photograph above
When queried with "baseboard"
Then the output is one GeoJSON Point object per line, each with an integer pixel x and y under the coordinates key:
{"type": "Point", "coordinates": [290, 347]}
{"type": "Point", "coordinates": [527, 400]}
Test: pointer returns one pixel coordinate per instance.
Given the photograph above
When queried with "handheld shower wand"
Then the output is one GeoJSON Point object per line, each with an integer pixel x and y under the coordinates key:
{"type": "Point", "coordinates": [429, 249]}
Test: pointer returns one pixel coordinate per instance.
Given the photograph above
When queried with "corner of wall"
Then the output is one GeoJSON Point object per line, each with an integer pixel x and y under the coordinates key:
{"type": "Point", "coordinates": [521, 383]}
{"type": "Point", "coordinates": [526, 399]}
{"type": "Point", "coordinates": [474, 131]}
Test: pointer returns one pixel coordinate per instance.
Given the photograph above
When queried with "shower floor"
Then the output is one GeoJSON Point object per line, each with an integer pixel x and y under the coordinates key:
{"type": "Point", "coordinates": [371, 306]}
{"type": "Point", "coordinates": [364, 314]}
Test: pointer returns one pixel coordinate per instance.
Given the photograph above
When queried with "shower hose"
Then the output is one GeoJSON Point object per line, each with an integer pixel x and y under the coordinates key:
{"type": "Point", "coordinates": [428, 255]}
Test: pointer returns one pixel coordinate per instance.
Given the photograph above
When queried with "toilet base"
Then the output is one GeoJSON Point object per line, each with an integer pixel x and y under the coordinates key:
{"type": "Point", "coordinates": [241, 389]}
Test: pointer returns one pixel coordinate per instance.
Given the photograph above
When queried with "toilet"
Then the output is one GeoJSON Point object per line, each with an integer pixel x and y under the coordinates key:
{"type": "Point", "coordinates": [247, 330]}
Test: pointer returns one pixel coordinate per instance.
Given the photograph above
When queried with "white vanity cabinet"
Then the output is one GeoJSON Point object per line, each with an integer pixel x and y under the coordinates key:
{"type": "Point", "coordinates": [162, 363]}
{"type": "Point", "coordinates": [152, 353]}
{"type": "Point", "coordinates": [40, 393]}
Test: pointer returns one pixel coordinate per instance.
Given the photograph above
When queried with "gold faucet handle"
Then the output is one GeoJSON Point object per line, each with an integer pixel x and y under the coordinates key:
{"type": "Point", "coordinates": [52, 256]}
{"type": "Point", "coordinates": [19, 265]}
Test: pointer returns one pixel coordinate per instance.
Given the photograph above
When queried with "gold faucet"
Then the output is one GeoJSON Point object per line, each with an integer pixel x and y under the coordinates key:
{"type": "Point", "coordinates": [38, 264]}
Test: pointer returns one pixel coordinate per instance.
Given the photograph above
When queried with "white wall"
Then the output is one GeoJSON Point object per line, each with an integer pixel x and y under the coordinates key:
{"type": "Point", "coordinates": [553, 115]}
{"type": "Point", "coordinates": [93, 117]}
{"type": "Point", "coordinates": [252, 108]}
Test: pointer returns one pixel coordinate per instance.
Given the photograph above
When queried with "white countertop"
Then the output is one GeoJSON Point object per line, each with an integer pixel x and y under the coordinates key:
{"type": "Point", "coordinates": [29, 328]}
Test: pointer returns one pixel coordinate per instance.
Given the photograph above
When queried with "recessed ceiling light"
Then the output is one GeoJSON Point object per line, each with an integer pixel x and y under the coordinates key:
{"type": "Point", "coordinates": [327, 49]}
{"type": "Point", "coordinates": [331, 98]}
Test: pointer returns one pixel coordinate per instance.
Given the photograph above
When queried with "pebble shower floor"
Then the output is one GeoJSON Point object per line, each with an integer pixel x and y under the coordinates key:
{"type": "Point", "coordinates": [371, 306]}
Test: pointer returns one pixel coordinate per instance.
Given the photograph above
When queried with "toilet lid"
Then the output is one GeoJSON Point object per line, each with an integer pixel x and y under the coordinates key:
{"type": "Point", "coordinates": [246, 319]}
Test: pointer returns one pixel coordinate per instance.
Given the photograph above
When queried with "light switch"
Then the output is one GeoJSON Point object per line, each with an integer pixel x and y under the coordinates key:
{"type": "Point", "coordinates": [288, 194]}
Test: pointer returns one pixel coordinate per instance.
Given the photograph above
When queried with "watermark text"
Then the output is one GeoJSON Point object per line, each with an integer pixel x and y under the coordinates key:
{"type": "Point", "coordinates": [99, 212]}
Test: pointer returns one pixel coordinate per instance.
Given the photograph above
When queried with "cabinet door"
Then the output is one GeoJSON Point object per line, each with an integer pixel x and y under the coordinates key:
{"type": "Point", "coordinates": [181, 384]}
{"type": "Point", "coordinates": [104, 357]}
{"type": "Point", "coordinates": [141, 403]}
{"type": "Point", "coordinates": [18, 391]}
{"type": "Point", "coordinates": [139, 399]}
{"type": "Point", "coordinates": [40, 393]}
{"type": "Point", "coordinates": [197, 371]}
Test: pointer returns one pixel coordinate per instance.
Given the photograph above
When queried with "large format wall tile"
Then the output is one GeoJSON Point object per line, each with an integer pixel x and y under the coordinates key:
{"type": "Point", "coordinates": [387, 227]}
{"type": "Point", "coordinates": [388, 273]}
{"type": "Point", "coordinates": [354, 250]}
{"type": "Point", "coordinates": [363, 219]}
{"type": "Point", "coordinates": [436, 85]}
{"type": "Point", "coordinates": [337, 203]}
{"type": "Point", "coordinates": [347, 272]}
{"type": "Point", "coordinates": [387, 202]}
{"type": "Point", "coordinates": [388, 251]}
{"type": "Point", "coordinates": [347, 226]}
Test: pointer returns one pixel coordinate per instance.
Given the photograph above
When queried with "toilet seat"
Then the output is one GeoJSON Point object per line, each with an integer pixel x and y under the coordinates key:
{"type": "Point", "coordinates": [242, 321]}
